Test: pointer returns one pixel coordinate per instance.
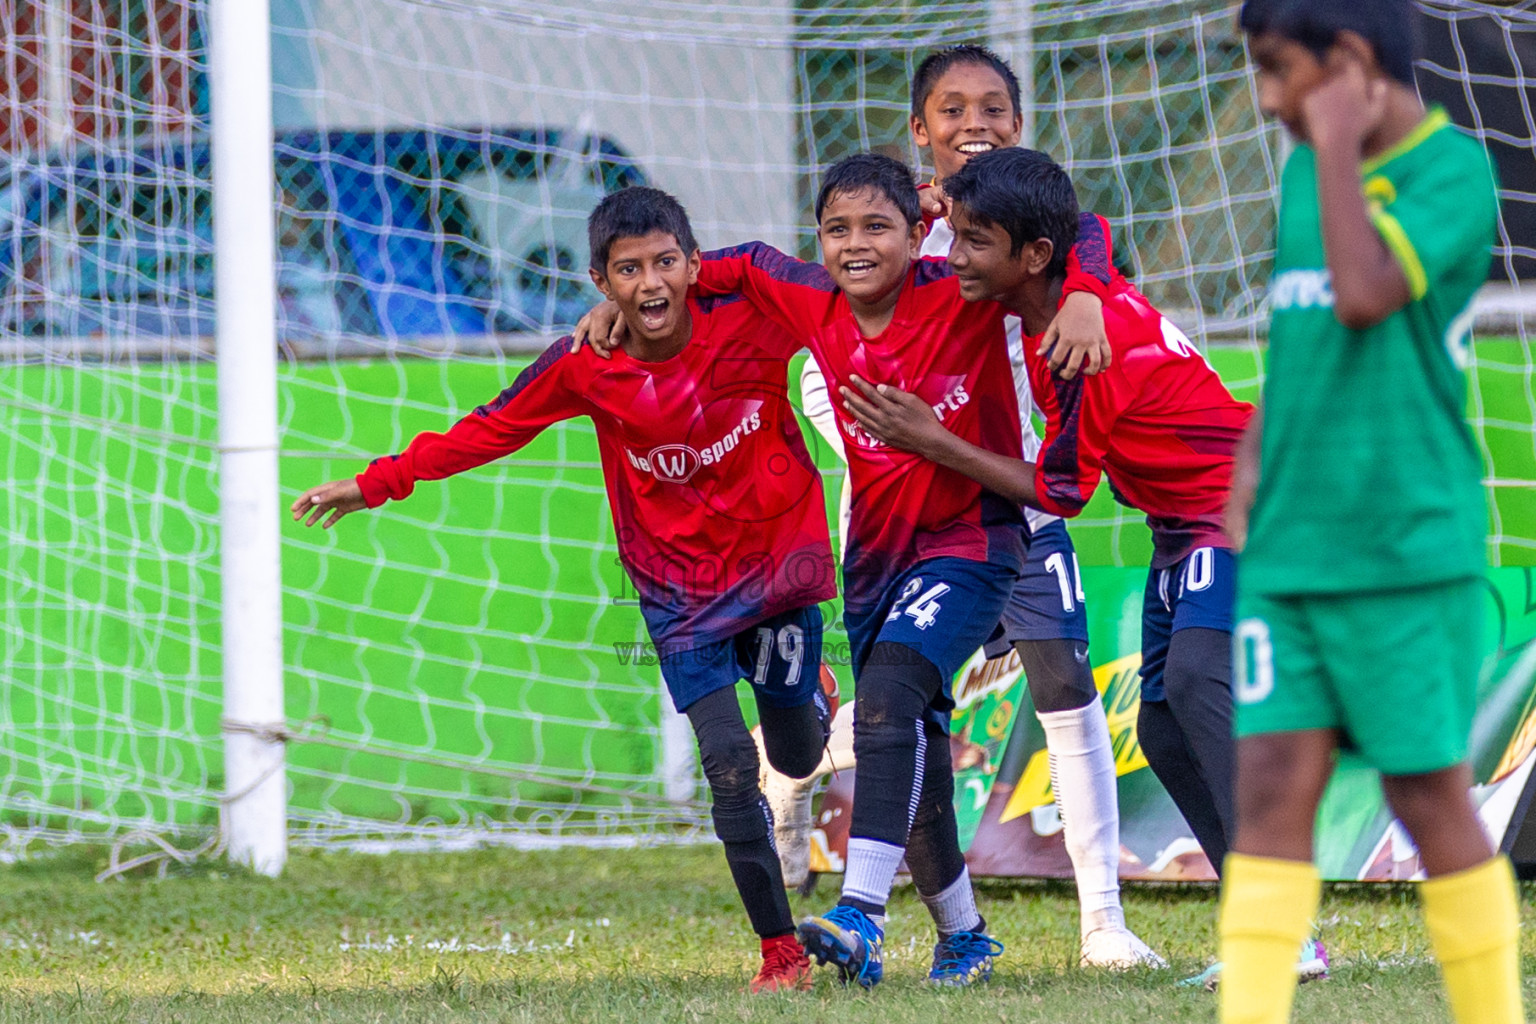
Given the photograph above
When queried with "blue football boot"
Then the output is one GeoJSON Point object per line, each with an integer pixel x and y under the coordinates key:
{"type": "Point", "coordinates": [964, 958]}
{"type": "Point", "coordinates": [846, 937]}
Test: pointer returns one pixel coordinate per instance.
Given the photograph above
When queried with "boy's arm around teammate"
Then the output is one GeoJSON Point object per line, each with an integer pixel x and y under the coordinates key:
{"type": "Point", "coordinates": [796, 295]}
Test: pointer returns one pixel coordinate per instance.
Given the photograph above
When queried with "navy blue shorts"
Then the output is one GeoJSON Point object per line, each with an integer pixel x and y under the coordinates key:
{"type": "Point", "coordinates": [780, 657]}
{"type": "Point", "coordinates": [1047, 602]}
{"type": "Point", "coordinates": [942, 609]}
{"type": "Point", "coordinates": [1198, 593]}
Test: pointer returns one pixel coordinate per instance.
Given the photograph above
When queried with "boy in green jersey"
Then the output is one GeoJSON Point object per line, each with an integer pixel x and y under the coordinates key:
{"type": "Point", "coordinates": [1359, 607]}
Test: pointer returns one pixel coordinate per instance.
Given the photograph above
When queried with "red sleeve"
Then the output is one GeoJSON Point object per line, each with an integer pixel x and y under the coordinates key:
{"type": "Point", "coordinates": [1077, 433]}
{"type": "Point", "coordinates": [1088, 264]}
{"type": "Point", "coordinates": [793, 293]}
{"type": "Point", "coordinates": [541, 395]}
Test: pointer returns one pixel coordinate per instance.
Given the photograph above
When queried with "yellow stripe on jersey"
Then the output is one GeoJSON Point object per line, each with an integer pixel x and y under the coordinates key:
{"type": "Point", "coordinates": [1402, 249]}
{"type": "Point", "coordinates": [1433, 121]}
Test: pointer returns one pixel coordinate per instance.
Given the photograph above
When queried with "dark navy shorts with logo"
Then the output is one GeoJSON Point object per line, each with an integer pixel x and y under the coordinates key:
{"type": "Point", "coordinates": [780, 657]}
{"type": "Point", "coordinates": [1199, 592]}
{"type": "Point", "coordinates": [1047, 601]}
{"type": "Point", "coordinates": [941, 609]}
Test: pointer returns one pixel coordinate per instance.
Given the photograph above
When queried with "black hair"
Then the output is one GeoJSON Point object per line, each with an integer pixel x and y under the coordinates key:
{"type": "Point", "coordinates": [634, 213]}
{"type": "Point", "coordinates": [1025, 193]}
{"type": "Point", "coordinates": [938, 62]}
{"type": "Point", "coordinates": [872, 172]}
{"type": "Point", "coordinates": [1387, 25]}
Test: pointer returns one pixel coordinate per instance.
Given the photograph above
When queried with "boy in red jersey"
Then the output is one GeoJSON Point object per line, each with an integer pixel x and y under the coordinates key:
{"type": "Point", "coordinates": [717, 507]}
{"type": "Point", "coordinates": [1158, 421]}
{"type": "Point", "coordinates": [966, 101]}
{"type": "Point", "coordinates": [931, 557]}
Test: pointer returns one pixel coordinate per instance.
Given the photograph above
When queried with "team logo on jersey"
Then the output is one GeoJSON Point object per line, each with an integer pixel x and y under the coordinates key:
{"type": "Point", "coordinates": [674, 463]}
{"type": "Point", "coordinates": [677, 463]}
{"type": "Point", "coordinates": [1301, 289]}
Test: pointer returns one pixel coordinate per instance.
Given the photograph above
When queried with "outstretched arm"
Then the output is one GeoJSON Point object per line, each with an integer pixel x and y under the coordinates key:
{"type": "Point", "coordinates": [339, 498]}
{"type": "Point", "coordinates": [902, 420]}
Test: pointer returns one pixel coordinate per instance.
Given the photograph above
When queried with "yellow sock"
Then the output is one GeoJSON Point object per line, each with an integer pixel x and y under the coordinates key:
{"type": "Point", "coordinates": [1474, 926]}
{"type": "Point", "coordinates": [1267, 907]}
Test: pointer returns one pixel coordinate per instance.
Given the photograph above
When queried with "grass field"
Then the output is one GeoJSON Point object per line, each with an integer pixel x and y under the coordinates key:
{"type": "Point", "coordinates": [627, 935]}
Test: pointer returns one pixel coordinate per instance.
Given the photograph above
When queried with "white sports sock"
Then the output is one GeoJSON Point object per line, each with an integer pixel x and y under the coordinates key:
{"type": "Point", "coordinates": [1083, 777]}
{"type": "Point", "coordinates": [954, 907]}
{"type": "Point", "coordinates": [871, 870]}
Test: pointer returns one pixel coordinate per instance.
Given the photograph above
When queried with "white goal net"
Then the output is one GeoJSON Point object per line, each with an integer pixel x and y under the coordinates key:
{"type": "Point", "coordinates": [462, 667]}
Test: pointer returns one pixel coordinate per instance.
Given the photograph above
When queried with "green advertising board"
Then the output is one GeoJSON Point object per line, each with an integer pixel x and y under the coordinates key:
{"type": "Point", "coordinates": [1006, 810]}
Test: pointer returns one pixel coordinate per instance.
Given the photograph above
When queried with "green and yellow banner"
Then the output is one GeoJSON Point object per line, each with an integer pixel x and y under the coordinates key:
{"type": "Point", "coordinates": [1007, 812]}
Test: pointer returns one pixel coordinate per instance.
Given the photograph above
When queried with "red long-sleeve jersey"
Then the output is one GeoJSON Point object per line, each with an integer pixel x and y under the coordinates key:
{"type": "Point", "coordinates": [1159, 423]}
{"type": "Point", "coordinates": [716, 502]}
{"type": "Point", "coordinates": [949, 352]}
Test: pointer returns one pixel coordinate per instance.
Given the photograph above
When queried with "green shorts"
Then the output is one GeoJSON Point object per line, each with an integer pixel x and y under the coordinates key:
{"type": "Point", "coordinates": [1394, 671]}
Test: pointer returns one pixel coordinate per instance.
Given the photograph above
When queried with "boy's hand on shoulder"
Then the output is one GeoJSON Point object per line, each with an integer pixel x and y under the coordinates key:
{"type": "Point", "coordinates": [933, 202]}
{"type": "Point", "coordinates": [1347, 107]}
{"type": "Point", "coordinates": [338, 497]}
{"type": "Point", "coordinates": [896, 417]}
{"type": "Point", "coordinates": [1076, 340]}
{"type": "Point", "coordinates": [602, 329]}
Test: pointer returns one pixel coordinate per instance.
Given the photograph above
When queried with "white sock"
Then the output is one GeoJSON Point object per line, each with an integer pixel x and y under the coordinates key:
{"type": "Point", "coordinates": [871, 870]}
{"type": "Point", "coordinates": [954, 907]}
{"type": "Point", "coordinates": [1083, 778]}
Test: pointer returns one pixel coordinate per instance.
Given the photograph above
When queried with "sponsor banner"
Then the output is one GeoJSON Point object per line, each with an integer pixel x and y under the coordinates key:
{"type": "Point", "coordinates": [1007, 813]}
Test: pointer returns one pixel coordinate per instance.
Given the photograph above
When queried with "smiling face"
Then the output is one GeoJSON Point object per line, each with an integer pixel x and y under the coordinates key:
{"type": "Point", "coordinates": [1287, 72]}
{"type": "Point", "coordinates": [968, 112]}
{"type": "Point", "coordinates": [984, 264]}
{"type": "Point", "coordinates": [649, 277]}
{"type": "Point", "coordinates": [867, 245]}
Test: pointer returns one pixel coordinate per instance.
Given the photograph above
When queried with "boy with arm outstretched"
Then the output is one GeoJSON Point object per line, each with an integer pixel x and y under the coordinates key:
{"type": "Point", "coordinates": [717, 508]}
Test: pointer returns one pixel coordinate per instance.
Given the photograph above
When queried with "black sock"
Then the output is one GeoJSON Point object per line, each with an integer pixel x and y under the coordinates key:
{"type": "Point", "coordinates": [933, 846]}
{"type": "Point", "coordinates": [1162, 742]}
{"type": "Point", "coordinates": [1198, 683]}
{"type": "Point", "coordinates": [741, 815]}
{"type": "Point", "coordinates": [894, 691]}
{"type": "Point", "coordinates": [760, 883]}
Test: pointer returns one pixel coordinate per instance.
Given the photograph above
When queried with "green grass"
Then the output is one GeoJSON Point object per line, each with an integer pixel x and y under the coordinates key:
{"type": "Point", "coordinates": [635, 935]}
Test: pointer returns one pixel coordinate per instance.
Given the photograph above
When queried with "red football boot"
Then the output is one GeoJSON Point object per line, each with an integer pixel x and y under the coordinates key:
{"type": "Point", "coordinates": [786, 968]}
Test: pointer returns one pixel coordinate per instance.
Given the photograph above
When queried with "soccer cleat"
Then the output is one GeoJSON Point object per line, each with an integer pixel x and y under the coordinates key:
{"type": "Point", "coordinates": [785, 968]}
{"type": "Point", "coordinates": [1312, 965]}
{"type": "Point", "coordinates": [1117, 949]}
{"type": "Point", "coordinates": [847, 938]}
{"type": "Point", "coordinates": [963, 959]}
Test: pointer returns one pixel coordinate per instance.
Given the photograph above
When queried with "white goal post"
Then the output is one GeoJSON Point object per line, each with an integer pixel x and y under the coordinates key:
{"type": "Point", "coordinates": [255, 801]}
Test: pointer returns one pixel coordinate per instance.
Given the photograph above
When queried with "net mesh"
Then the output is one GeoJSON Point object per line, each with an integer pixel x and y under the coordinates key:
{"type": "Point", "coordinates": [462, 666]}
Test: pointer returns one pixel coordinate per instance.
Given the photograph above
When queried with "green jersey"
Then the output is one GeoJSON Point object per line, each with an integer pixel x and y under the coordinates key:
{"type": "Point", "coordinates": [1370, 478]}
